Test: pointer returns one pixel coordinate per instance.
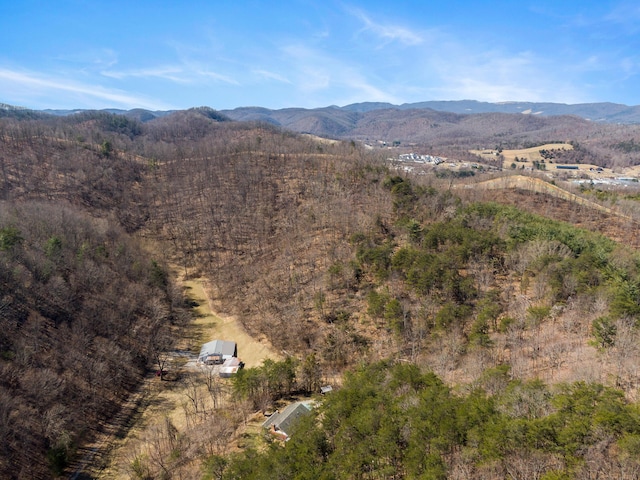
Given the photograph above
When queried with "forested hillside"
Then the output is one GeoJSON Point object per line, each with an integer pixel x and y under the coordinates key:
{"type": "Point", "coordinates": [507, 318]}
{"type": "Point", "coordinates": [392, 421]}
{"type": "Point", "coordinates": [83, 309]}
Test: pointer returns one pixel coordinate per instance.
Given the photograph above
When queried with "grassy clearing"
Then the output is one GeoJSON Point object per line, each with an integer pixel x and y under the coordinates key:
{"type": "Point", "coordinates": [171, 402]}
{"type": "Point", "coordinates": [523, 157]}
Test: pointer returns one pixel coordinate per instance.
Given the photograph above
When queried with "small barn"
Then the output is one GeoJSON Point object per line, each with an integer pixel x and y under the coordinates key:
{"type": "Point", "coordinates": [216, 352]}
{"type": "Point", "coordinates": [280, 423]}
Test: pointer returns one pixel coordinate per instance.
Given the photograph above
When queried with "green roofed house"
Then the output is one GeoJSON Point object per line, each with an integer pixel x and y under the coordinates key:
{"type": "Point", "coordinates": [216, 352]}
{"type": "Point", "coordinates": [280, 423]}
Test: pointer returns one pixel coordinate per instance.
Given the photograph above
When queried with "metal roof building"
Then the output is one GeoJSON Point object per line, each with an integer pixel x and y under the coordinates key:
{"type": "Point", "coordinates": [217, 351]}
{"type": "Point", "coordinates": [230, 367]}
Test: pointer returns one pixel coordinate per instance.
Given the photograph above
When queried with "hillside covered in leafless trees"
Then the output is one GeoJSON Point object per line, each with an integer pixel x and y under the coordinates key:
{"type": "Point", "coordinates": [324, 248]}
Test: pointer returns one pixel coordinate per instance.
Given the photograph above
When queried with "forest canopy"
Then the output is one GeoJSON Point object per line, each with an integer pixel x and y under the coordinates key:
{"type": "Point", "coordinates": [393, 421]}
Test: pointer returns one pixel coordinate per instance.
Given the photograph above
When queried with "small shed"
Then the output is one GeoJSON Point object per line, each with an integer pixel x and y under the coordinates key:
{"type": "Point", "coordinates": [230, 367]}
{"type": "Point", "coordinates": [217, 351]}
{"type": "Point", "coordinates": [280, 423]}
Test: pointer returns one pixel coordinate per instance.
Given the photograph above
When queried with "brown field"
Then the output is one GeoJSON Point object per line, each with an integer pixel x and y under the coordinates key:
{"type": "Point", "coordinates": [210, 326]}
{"type": "Point", "coordinates": [526, 157]}
{"type": "Point", "coordinates": [527, 154]}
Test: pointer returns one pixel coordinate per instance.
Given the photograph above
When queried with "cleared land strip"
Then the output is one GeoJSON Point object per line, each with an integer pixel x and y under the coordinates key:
{"type": "Point", "coordinates": [212, 326]}
{"type": "Point", "coordinates": [156, 399]}
{"type": "Point", "coordinates": [540, 186]}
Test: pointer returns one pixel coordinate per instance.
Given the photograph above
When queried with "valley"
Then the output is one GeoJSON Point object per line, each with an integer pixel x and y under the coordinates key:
{"type": "Point", "coordinates": [502, 295]}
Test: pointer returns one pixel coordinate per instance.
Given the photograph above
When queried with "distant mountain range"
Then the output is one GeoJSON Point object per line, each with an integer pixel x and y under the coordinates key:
{"type": "Point", "coordinates": [420, 123]}
{"type": "Point", "coordinates": [434, 123]}
{"type": "Point", "coordinates": [597, 112]}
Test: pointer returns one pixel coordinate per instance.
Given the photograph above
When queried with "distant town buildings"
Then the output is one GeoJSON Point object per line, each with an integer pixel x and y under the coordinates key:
{"type": "Point", "coordinates": [419, 158]}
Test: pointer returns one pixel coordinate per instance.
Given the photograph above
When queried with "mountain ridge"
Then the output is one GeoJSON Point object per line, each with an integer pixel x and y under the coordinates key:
{"type": "Point", "coordinates": [604, 112]}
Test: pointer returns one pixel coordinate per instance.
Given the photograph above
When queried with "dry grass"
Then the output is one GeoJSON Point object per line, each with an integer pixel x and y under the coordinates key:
{"type": "Point", "coordinates": [527, 156]}
{"type": "Point", "coordinates": [172, 400]}
{"type": "Point", "coordinates": [210, 326]}
{"type": "Point", "coordinates": [540, 186]}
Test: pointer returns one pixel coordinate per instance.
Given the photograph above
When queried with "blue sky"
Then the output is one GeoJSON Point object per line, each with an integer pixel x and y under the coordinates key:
{"type": "Point", "coordinates": [224, 54]}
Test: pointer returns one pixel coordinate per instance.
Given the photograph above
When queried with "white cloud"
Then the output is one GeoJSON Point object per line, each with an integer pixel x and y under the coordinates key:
{"type": "Point", "coordinates": [182, 74]}
{"type": "Point", "coordinates": [488, 91]}
{"type": "Point", "coordinates": [216, 76]}
{"type": "Point", "coordinates": [102, 58]}
{"type": "Point", "coordinates": [271, 76]}
{"type": "Point", "coordinates": [625, 15]}
{"type": "Point", "coordinates": [174, 74]}
{"type": "Point", "coordinates": [388, 32]}
{"type": "Point", "coordinates": [630, 66]}
{"type": "Point", "coordinates": [309, 68]}
{"type": "Point", "coordinates": [442, 63]}
{"type": "Point", "coordinates": [465, 73]}
{"type": "Point", "coordinates": [31, 86]}
{"type": "Point", "coordinates": [362, 91]}
{"type": "Point", "coordinates": [336, 80]}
